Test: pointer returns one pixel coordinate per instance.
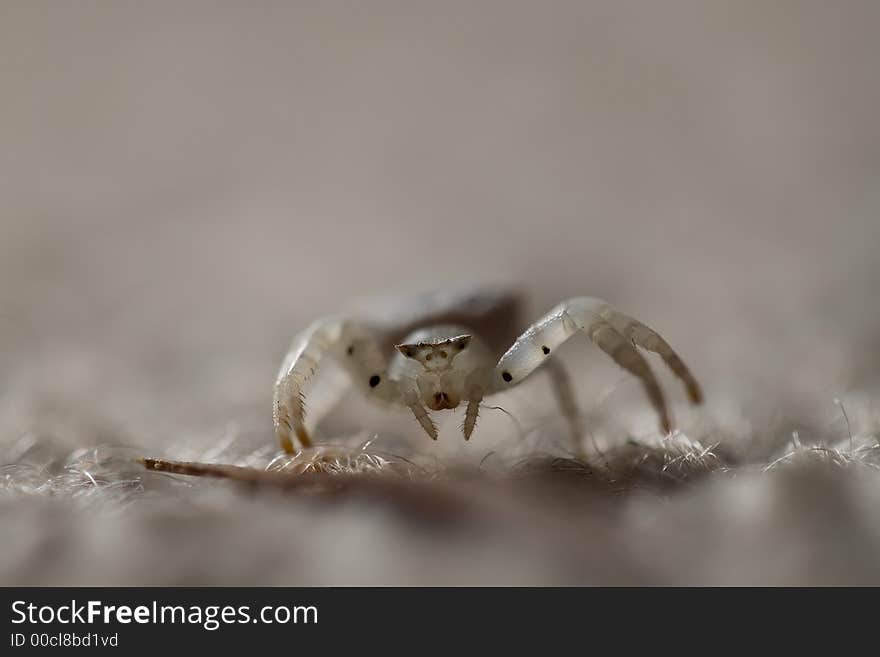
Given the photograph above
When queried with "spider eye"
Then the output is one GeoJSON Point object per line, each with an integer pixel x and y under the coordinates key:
{"type": "Point", "coordinates": [442, 354]}
{"type": "Point", "coordinates": [461, 342]}
{"type": "Point", "coordinates": [429, 357]}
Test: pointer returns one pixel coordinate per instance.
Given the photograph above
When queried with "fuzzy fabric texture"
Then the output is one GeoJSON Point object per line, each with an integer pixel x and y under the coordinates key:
{"type": "Point", "coordinates": [185, 186]}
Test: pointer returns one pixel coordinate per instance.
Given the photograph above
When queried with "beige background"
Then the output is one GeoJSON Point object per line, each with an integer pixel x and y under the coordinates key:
{"type": "Point", "coordinates": [183, 185]}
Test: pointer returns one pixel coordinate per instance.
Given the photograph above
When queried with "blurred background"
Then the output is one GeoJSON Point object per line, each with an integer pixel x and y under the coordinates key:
{"type": "Point", "coordinates": [184, 185]}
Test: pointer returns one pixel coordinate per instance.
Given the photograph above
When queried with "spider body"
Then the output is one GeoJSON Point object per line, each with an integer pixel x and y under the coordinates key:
{"type": "Point", "coordinates": [445, 350]}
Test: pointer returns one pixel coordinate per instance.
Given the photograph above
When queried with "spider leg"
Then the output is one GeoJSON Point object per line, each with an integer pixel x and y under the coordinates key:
{"type": "Point", "coordinates": [591, 316]}
{"type": "Point", "coordinates": [474, 399]}
{"type": "Point", "coordinates": [646, 338]}
{"type": "Point", "coordinates": [564, 393]}
{"type": "Point", "coordinates": [350, 343]}
{"type": "Point", "coordinates": [421, 414]}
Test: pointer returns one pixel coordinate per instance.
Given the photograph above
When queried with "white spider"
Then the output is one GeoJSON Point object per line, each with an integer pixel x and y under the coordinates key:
{"type": "Point", "coordinates": [443, 350]}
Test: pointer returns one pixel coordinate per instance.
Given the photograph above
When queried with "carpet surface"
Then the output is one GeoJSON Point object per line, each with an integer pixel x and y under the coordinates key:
{"type": "Point", "coordinates": [184, 186]}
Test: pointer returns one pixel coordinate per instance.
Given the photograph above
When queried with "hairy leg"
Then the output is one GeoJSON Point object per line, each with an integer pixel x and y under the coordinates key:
{"type": "Point", "coordinates": [421, 414]}
{"type": "Point", "coordinates": [351, 344]}
{"type": "Point", "coordinates": [474, 399]}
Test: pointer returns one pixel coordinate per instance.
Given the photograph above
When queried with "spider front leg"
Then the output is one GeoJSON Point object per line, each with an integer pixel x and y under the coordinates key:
{"type": "Point", "coordinates": [614, 333]}
{"type": "Point", "coordinates": [474, 399]}
{"type": "Point", "coordinates": [418, 409]}
{"type": "Point", "coordinates": [350, 343]}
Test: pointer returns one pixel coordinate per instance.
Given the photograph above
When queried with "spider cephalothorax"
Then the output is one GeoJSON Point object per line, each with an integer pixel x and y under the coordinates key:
{"type": "Point", "coordinates": [432, 357]}
{"type": "Point", "coordinates": [435, 355]}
